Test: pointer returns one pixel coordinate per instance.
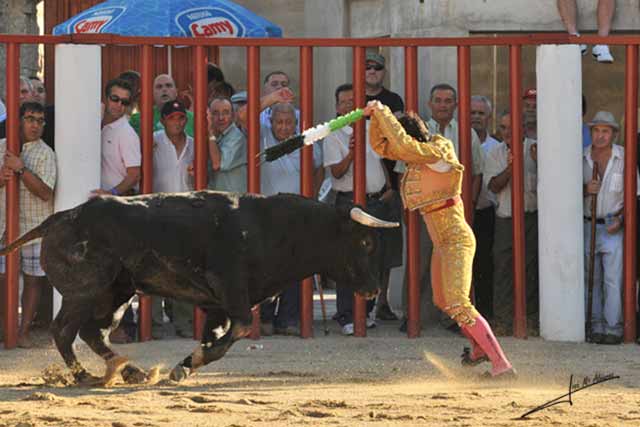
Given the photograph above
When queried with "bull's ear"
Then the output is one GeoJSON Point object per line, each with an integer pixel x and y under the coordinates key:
{"type": "Point", "coordinates": [364, 218]}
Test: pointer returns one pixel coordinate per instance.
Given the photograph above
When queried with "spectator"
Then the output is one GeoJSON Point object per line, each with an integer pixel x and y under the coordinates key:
{"type": "Point", "coordinates": [35, 168]}
{"type": "Point", "coordinates": [530, 113]}
{"type": "Point", "coordinates": [164, 90]}
{"type": "Point", "coordinates": [44, 312]}
{"type": "Point", "coordinates": [485, 216]}
{"type": "Point", "coordinates": [39, 95]}
{"type": "Point", "coordinates": [133, 77]}
{"type": "Point", "coordinates": [227, 149]}
{"type": "Point", "coordinates": [173, 154]}
{"type": "Point", "coordinates": [497, 176]}
{"type": "Point", "coordinates": [25, 94]}
{"type": "Point", "coordinates": [238, 101]}
{"type": "Point", "coordinates": [214, 73]}
{"type": "Point", "coordinates": [374, 88]}
{"type": "Point", "coordinates": [606, 317]}
{"type": "Point", "coordinates": [606, 9]}
{"type": "Point", "coordinates": [220, 89]}
{"type": "Point", "coordinates": [338, 157]}
{"type": "Point", "coordinates": [121, 161]}
{"type": "Point", "coordinates": [443, 103]}
{"type": "Point", "coordinates": [272, 82]}
{"type": "Point", "coordinates": [283, 176]}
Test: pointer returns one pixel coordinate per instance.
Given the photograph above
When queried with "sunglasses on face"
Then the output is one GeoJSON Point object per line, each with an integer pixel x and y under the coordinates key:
{"type": "Point", "coordinates": [34, 120]}
{"type": "Point", "coordinates": [124, 101]}
{"type": "Point", "coordinates": [376, 67]}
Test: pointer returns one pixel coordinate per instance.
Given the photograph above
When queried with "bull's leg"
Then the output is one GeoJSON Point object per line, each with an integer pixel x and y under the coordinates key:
{"type": "Point", "coordinates": [72, 315]}
{"type": "Point", "coordinates": [217, 337]}
{"type": "Point", "coordinates": [95, 333]}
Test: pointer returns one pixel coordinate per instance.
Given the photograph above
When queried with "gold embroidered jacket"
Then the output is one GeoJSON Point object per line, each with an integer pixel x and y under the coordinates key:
{"type": "Point", "coordinates": [433, 173]}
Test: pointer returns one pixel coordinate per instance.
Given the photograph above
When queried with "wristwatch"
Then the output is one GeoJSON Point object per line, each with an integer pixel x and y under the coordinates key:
{"type": "Point", "coordinates": [20, 171]}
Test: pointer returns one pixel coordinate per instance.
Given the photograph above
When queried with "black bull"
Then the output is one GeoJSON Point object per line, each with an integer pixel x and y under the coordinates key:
{"type": "Point", "coordinates": [220, 251]}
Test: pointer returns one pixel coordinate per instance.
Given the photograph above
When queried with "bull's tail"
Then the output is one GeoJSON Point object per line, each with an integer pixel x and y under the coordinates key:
{"type": "Point", "coordinates": [35, 233]}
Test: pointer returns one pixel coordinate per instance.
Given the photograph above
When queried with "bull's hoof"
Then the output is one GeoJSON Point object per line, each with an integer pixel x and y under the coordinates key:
{"type": "Point", "coordinates": [115, 365]}
{"type": "Point", "coordinates": [179, 373]}
{"type": "Point", "coordinates": [85, 379]}
{"type": "Point", "coordinates": [131, 374]}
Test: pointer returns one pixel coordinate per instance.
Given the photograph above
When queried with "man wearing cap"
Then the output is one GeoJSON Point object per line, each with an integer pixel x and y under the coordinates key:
{"type": "Point", "coordinates": [164, 90]}
{"type": "Point", "coordinates": [606, 316]}
{"type": "Point", "coordinates": [172, 157]}
{"type": "Point", "coordinates": [529, 113]}
{"type": "Point", "coordinates": [497, 177]}
{"type": "Point", "coordinates": [239, 100]}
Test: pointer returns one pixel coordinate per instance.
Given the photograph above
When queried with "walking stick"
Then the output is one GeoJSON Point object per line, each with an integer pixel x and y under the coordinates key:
{"type": "Point", "coordinates": [592, 255]}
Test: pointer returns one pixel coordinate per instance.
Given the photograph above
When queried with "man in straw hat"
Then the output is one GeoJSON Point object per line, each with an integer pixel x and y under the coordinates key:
{"type": "Point", "coordinates": [606, 186]}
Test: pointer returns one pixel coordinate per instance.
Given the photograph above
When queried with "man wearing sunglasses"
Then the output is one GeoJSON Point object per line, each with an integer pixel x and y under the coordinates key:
{"type": "Point", "coordinates": [121, 156]}
{"type": "Point", "coordinates": [35, 168]}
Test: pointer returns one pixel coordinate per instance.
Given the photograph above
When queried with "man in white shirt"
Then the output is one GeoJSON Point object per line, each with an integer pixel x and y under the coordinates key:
{"type": "Point", "coordinates": [498, 171]}
{"type": "Point", "coordinates": [338, 157]}
{"type": "Point", "coordinates": [606, 315]}
{"type": "Point", "coordinates": [173, 154]}
{"type": "Point", "coordinates": [484, 216]}
{"type": "Point", "coordinates": [121, 160]}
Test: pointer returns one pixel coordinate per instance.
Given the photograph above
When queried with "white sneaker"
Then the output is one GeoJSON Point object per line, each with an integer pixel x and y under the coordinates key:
{"type": "Point", "coordinates": [601, 53]}
{"type": "Point", "coordinates": [371, 323]}
{"type": "Point", "coordinates": [583, 49]}
{"type": "Point", "coordinates": [347, 329]}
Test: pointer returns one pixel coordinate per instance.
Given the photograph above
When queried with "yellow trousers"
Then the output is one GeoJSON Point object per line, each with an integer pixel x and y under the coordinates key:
{"type": "Point", "coordinates": [454, 246]}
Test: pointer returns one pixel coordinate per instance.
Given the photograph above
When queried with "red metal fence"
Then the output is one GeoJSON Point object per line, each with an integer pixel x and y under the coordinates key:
{"type": "Point", "coordinates": [306, 46]}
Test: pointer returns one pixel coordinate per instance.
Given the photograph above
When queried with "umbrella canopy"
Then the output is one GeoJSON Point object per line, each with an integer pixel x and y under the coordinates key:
{"type": "Point", "coordinates": [169, 18]}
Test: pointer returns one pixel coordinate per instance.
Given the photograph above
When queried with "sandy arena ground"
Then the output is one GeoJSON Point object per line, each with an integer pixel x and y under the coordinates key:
{"type": "Point", "coordinates": [383, 380]}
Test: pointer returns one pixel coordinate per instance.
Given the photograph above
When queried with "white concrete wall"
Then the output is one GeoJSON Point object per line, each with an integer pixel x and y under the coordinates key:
{"type": "Point", "coordinates": [77, 126]}
{"type": "Point", "coordinates": [560, 193]}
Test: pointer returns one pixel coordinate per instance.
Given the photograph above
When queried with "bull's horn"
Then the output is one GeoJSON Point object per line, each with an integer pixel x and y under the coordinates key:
{"type": "Point", "coordinates": [364, 218]}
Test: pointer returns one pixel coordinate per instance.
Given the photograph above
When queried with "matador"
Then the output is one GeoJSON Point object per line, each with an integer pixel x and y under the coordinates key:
{"type": "Point", "coordinates": [432, 185]}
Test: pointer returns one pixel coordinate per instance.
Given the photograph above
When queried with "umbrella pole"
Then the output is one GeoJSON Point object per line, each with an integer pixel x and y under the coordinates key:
{"type": "Point", "coordinates": [169, 61]}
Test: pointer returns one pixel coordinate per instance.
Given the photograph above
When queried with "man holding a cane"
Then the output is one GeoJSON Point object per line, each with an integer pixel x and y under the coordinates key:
{"type": "Point", "coordinates": [604, 248]}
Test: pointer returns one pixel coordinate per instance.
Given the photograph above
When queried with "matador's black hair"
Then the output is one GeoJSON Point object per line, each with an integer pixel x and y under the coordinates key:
{"type": "Point", "coordinates": [414, 126]}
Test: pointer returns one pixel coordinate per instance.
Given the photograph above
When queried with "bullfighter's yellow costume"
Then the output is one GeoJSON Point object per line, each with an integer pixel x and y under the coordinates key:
{"type": "Point", "coordinates": [432, 184]}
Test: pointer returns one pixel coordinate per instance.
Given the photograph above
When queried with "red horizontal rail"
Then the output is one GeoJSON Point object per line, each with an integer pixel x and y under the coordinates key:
{"type": "Point", "coordinates": [500, 40]}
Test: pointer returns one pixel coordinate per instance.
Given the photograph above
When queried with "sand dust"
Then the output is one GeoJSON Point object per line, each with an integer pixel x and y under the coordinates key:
{"type": "Point", "coordinates": [383, 380]}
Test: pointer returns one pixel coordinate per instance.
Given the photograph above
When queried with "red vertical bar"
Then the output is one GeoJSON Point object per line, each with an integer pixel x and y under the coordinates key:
{"type": "Point", "coordinates": [413, 219]}
{"type": "Point", "coordinates": [201, 141]}
{"type": "Point", "coordinates": [464, 127]}
{"type": "Point", "coordinates": [517, 194]}
{"type": "Point", "coordinates": [359, 178]}
{"type": "Point", "coordinates": [146, 133]}
{"type": "Point", "coordinates": [253, 143]}
{"type": "Point", "coordinates": [630, 188]}
{"type": "Point", "coordinates": [12, 199]}
{"type": "Point", "coordinates": [306, 176]}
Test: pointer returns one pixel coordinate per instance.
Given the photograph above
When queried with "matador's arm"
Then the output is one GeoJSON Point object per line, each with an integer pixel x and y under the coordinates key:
{"type": "Point", "coordinates": [389, 139]}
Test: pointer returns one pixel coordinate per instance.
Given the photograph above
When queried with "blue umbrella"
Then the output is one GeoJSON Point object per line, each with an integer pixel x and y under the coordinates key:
{"type": "Point", "coordinates": [169, 18]}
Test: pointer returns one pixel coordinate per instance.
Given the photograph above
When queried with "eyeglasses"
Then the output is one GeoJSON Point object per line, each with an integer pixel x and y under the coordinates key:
{"type": "Point", "coordinates": [39, 89]}
{"type": "Point", "coordinates": [124, 101]}
{"type": "Point", "coordinates": [34, 120]}
{"type": "Point", "coordinates": [376, 67]}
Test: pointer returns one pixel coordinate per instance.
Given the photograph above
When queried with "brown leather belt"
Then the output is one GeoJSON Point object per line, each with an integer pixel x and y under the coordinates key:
{"type": "Point", "coordinates": [443, 205]}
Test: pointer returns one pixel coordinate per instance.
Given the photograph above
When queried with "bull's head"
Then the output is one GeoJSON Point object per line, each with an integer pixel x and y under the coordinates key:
{"type": "Point", "coordinates": [361, 263]}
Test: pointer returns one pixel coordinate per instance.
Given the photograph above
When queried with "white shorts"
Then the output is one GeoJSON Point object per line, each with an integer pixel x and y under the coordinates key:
{"type": "Point", "coordinates": [29, 260]}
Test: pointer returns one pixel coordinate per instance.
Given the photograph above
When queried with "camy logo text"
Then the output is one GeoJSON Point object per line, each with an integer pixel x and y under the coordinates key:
{"type": "Point", "coordinates": [91, 25]}
{"type": "Point", "coordinates": [213, 27]}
